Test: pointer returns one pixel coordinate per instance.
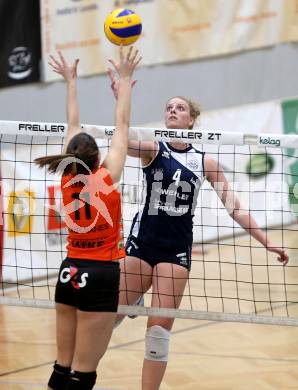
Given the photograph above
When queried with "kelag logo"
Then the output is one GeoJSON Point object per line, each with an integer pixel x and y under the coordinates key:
{"type": "Point", "coordinates": [270, 141]}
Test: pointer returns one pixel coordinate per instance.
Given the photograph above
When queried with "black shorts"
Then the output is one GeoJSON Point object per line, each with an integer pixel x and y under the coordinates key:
{"type": "Point", "coordinates": [153, 256]}
{"type": "Point", "coordinates": [89, 285]}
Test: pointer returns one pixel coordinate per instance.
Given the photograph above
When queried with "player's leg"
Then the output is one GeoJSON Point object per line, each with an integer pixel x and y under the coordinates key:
{"type": "Point", "coordinates": [97, 303]}
{"type": "Point", "coordinates": [139, 302]}
{"type": "Point", "coordinates": [94, 331]}
{"type": "Point", "coordinates": [135, 280]}
{"type": "Point", "coordinates": [65, 328]}
{"type": "Point", "coordinates": [66, 320]}
{"type": "Point", "coordinates": [168, 284]}
{"type": "Point", "coordinates": [65, 338]}
{"type": "Point", "coordinates": [91, 326]}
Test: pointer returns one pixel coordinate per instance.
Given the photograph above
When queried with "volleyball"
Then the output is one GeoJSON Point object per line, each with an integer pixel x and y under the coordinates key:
{"type": "Point", "coordinates": [123, 26]}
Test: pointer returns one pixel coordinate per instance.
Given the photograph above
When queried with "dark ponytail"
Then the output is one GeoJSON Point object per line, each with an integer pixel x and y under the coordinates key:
{"type": "Point", "coordinates": [53, 162]}
{"type": "Point", "coordinates": [82, 149]}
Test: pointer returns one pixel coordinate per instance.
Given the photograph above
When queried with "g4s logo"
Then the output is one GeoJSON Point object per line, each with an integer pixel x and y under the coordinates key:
{"type": "Point", "coordinates": [71, 274]}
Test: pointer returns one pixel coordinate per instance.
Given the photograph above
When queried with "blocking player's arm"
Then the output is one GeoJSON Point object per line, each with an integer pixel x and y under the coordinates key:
{"type": "Point", "coordinates": [115, 159]}
{"type": "Point", "coordinates": [73, 118]}
{"type": "Point", "coordinates": [146, 150]}
{"type": "Point", "coordinates": [69, 73]}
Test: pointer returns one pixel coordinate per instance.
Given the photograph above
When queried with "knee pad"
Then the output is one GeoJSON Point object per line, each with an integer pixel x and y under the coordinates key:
{"type": "Point", "coordinates": [81, 380]}
{"type": "Point", "coordinates": [59, 377]}
{"type": "Point", "coordinates": [157, 344]}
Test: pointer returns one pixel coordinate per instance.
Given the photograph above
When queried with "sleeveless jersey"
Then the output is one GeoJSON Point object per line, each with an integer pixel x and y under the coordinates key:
{"type": "Point", "coordinates": [172, 182]}
{"type": "Point", "coordinates": [92, 209]}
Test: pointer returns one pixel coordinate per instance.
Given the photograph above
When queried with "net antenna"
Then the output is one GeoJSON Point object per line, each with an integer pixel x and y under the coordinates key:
{"type": "Point", "coordinates": [233, 278]}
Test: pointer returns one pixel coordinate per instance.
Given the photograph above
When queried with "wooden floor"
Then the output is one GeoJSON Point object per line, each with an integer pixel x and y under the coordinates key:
{"type": "Point", "coordinates": [203, 355]}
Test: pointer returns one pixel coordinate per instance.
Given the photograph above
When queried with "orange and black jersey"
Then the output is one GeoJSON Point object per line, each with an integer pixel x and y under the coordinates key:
{"type": "Point", "coordinates": [93, 216]}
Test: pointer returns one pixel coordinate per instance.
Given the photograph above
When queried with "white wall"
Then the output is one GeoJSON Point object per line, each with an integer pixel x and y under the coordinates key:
{"type": "Point", "coordinates": [218, 82]}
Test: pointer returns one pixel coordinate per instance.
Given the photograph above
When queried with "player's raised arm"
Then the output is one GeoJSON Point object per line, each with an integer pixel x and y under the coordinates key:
{"type": "Point", "coordinates": [146, 150]}
{"type": "Point", "coordinates": [115, 159]}
{"type": "Point", "coordinates": [69, 73]}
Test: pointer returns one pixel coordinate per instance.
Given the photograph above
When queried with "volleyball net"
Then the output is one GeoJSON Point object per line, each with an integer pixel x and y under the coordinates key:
{"type": "Point", "coordinates": [233, 277]}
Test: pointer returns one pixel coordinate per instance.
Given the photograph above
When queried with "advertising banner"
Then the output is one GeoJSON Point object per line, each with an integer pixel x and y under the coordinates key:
{"type": "Point", "coordinates": [173, 30]}
{"type": "Point", "coordinates": [20, 51]}
{"type": "Point", "coordinates": [290, 126]}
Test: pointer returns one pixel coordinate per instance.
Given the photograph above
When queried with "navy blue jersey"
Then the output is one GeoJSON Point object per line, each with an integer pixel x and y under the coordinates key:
{"type": "Point", "coordinates": [172, 181]}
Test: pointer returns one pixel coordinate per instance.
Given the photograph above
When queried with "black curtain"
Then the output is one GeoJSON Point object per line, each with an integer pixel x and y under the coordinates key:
{"type": "Point", "coordinates": [20, 42]}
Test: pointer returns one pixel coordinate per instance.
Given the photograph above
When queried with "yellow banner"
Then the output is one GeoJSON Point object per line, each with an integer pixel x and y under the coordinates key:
{"type": "Point", "coordinates": [173, 30]}
{"type": "Point", "coordinates": [20, 213]}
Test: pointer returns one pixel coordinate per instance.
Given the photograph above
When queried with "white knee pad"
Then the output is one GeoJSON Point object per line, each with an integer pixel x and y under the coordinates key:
{"type": "Point", "coordinates": [157, 344]}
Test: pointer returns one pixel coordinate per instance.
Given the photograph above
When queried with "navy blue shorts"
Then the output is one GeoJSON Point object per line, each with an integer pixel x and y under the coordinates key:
{"type": "Point", "coordinates": [89, 285]}
{"type": "Point", "coordinates": [153, 256]}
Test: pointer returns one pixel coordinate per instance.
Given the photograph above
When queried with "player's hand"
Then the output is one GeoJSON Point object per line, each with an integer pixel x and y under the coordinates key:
{"type": "Point", "coordinates": [127, 64]}
{"type": "Point", "coordinates": [60, 66]}
{"type": "Point", "coordinates": [283, 257]}
{"type": "Point", "coordinates": [115, 82]}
